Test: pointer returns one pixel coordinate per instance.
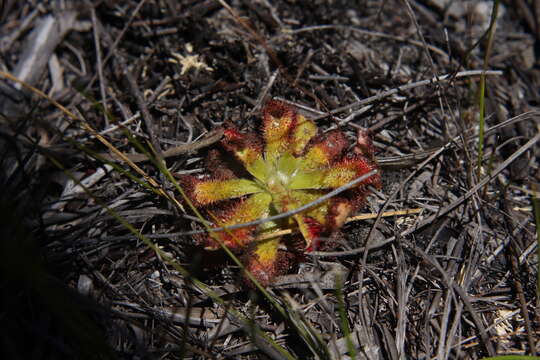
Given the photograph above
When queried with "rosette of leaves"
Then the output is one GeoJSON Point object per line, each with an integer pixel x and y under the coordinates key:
{"type": "Point", "coordinates": [287, 166]}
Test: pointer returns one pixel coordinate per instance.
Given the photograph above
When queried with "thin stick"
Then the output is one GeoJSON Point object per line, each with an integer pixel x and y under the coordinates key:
{"type": "Point", "coordinates": [351, 219]}
{"type": "Point", "coordinates": [147, 117]}
{"type": "Point", "coordinates": [210, 139]}
{"type": "Point", "coordinates": [385, 214]}
{"type": "Point", "coordinates": [368, 33]}
{"type": "Point", "coordinates": [481, 99]}
{"type": "Point", "coordinates": [287, 213]}
{"type": "Point", "coordinates": [99, 64]}
{"type": "Point", "coordinates": [393, 91]}
{"type": "Point", "coordinates": [112, 48]}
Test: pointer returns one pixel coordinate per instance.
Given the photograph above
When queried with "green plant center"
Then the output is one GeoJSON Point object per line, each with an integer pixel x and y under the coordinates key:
{"type": "Point", "coordinates": [278, 181]}
{"type": "Point", "coordinates": [280, 174]}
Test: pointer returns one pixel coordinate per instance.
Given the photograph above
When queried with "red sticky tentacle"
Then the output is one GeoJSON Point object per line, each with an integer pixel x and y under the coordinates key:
{"type": "Point", "coordinates": [265, 273]}
{"type": "Point", "coordinates": [325, 149]}
{"type": "Point", "coordinates": [246, 147]}
{"type": "Point", "coordinates": [316, 230]}
{"type": "Point", "coordinates": [338, 212]}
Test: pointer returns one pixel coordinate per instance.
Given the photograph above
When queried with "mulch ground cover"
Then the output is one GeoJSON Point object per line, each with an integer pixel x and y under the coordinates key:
{"type": "Point", "coordinates": [112, 97]}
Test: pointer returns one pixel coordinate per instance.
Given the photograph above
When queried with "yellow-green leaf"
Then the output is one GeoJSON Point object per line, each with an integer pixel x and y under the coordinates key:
{"type": "Point", "coordinates": [207, 192]}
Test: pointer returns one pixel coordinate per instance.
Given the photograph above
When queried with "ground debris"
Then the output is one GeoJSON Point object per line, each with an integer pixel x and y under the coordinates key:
{"type": "Point", "coordinates": [159, 81]}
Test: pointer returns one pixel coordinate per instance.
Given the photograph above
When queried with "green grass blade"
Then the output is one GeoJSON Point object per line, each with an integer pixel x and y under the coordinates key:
{"type": "Point", "coordinates": [481, 100]}
{"type": "Point", "coordinates": [536, 209]}
{"type": "Point", "coordinates": [345, 327]}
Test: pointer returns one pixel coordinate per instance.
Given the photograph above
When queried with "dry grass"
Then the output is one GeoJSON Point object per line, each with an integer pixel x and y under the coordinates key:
{"type": "Point", "coordinates": [97, 256]}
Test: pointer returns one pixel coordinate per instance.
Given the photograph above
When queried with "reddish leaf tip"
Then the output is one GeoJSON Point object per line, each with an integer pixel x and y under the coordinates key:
{"type": "Point", "coordinates": [364, 144]}
{"type": "Point", "coordinates": [278, 109]}
{"type": "Point", "coordinates": [266, 272]}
